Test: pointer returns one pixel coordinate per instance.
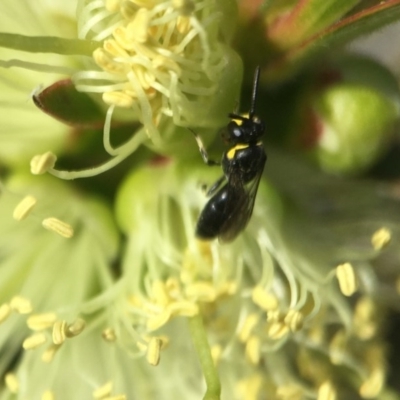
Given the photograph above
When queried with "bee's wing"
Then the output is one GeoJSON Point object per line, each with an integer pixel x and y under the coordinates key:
{"type": "Point", "coordinates": [242, 199]}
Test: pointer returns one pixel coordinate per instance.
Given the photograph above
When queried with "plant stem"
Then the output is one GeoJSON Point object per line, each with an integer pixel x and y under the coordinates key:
{"type": "Point", "coordinates": [202, 346]}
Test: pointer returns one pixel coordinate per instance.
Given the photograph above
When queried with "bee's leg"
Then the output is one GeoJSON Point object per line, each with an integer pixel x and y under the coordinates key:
{"type": "Point", "coordinates": [203, 151]}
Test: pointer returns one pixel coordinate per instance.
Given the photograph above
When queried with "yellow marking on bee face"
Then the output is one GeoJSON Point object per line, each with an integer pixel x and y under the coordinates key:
{"type": "Point", "coordinates": [231, 153]}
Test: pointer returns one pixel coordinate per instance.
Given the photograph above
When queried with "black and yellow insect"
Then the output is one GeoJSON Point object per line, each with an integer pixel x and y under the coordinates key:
{"type": "Point", "coordinates": [229, 210]}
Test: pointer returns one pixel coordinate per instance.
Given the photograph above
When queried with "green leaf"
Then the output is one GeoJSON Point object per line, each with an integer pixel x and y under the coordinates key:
{"type": "Point", "coordinates": [305, 19]}
{"type": "Point", "coordinates": [63, 102]}
{"type": "Point", "coordinates": [48, 44]}
{"type": "Point", "coordinates": [343, 31]}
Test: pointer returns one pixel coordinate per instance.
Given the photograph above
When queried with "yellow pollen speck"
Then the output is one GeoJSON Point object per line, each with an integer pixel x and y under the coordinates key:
{"type": "Point", "coordinates": [109, 335]}
{"type": "Point", "coordinates": [153, 351]}
{"type": "Point", "coordinates": [49, 353]}
{"type": "Point", "coordinates": [371, 388]}
{"type": "Point", "coordinates": [48, 395]}
{"type": "Point", "coordinates": [103, 391]}
{"type": "Point", "coordinates": [41, 163]}
{"type": "Point", "coordinates": [118, 99]}
{"type": "Point", "coordinates": [59, 332]}
{"type": "Point", "coordinates": [326, 391]}
{"type": "Point", "coordinates": [5, 311]}
{"type": "Point", "coordinates": [253, 347]}
{"type": "Point", "coordinates": [38, 322]}
{"type": "Point", "coordinates": [24, 207]}
{"type": "Point", "coordinates": [248, 325]}
{"type": "Point", "coordinates": [347, 279]}
{"type": "Point", "coordinates": [11, 382]}
{"type": "Point", "coordinates": [381, 238]}
{"type": "Point", "coordinates": [75, 328]}
{"type": "Point", "coordinates": [34, 341]}
{"type": "Point", "coordinates": [266, 301]}
{"type": "Point", "coordinates": [60, 227]}
{"type": "Point", "coordinates": [21, 305]}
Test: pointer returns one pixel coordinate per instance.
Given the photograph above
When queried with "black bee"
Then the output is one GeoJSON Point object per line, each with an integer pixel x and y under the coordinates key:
{"type": "Point", "coordinates": [229, 210]}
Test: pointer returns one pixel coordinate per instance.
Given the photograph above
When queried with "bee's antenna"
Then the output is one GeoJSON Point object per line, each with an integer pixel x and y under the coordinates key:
{"type": "Point", "coordinates": [254, 94]}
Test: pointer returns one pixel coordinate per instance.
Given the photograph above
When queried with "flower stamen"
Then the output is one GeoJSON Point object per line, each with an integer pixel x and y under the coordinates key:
{"type": "Point", "coordinates": [60, 227]}
{"type": "Point", "coordinates": [24, 207]}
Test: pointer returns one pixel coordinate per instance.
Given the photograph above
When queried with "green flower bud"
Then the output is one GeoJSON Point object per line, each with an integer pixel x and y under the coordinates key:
{"type": "Point", "coordinates": [354, 116]}
{"type": "Point", "coordinates": [356, 125]}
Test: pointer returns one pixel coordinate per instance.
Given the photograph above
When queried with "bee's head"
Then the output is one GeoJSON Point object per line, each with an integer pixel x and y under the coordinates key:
{"type": "Point", "coordinates": [244, 130]}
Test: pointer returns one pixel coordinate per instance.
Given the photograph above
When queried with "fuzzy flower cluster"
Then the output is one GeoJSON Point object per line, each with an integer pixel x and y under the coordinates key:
{"type": "Point", "coordinates": [121, 301]}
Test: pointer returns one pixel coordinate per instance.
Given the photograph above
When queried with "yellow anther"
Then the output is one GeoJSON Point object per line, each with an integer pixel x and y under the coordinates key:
{"type": "Point", "coordinates": [38, 322]}
{"type": "Point", "coordinates": [117, 397]}
{"type": "Point", "coordinates": [248, 325]}
{"type": "Point", "coordinates": [103, 391]}
{"type": "Point", "coordinates": [326, 391]}
{"type": "Point", "coordinates": [371, 388]}
{"type": "Point", "coordinates": [118, 99]}
{"type": "Point", "coordinates": [138, 29]}
{"type": "Point", "coordinates": [216, 353]}
{"type": "Point", "coordinates": [157, 321]}
{"type": "Point", "coordinates": [59, 332]}
{"type": "Point", "coordinates": [112, 5]}
{"type": "Point", "coordinates": [347, 279]}
{"type": "Point", "coordinates": [60, 227]}
{"type": "Point", "coordinates": [106, 62]}
{"type": "Point", "coordinates": [145, 78]}
{"type": "Point", "coordinates": [113, 48]}
{"type": "Point", "coordinates": [41, 163]}
{"type": "Point", "coordinates": [183, 24]}
{"type": "Point", "coordinates": [294, 320]}
{"type": "Point", "coordinates": [11, 382]}
{"type": "Point", "coordinates": [183, 308]}
{"type": "Point", "coordinates": [277, 330]}
{"type": "Point", "coordinates": [49, 353]}
{"type": "Point", "coordinates": [365, 318]}
{"type": "Point", "coordinates": [160, 293]}
{"type": "Point", "coordinates": [24, 207]}
{"type": "Point", "coordinates": [153, 351]}
{"type": "Point", "coordinates": [289, 392]}
{"type": "Point", "coordinates": [161, 62]}
{"type": "Point", "coordinates": [21, 305]}
{"type": "Point", "coordinates": [253, 346]}
{"type": "Point", "coordinates": [75, 328]}
{"type": "Point", "coordinates": [201, 291]}
{"type": "Point", "coordinates": [266, 301]}
{"type": "Point", "coordinates": [5, 311]}
{"type": "Point", "coordinates": [34, 341]}
{"type": "Point", "coordinates": [48, 395]}
{"type": "Point", "coordinates": [381, 238]}
{"type": "Point", "coordinates": [144, 3]}
{"type": "Point", "coordinates": [109, 335]}
{"type": "Point", "coordinates": [337, 347]}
